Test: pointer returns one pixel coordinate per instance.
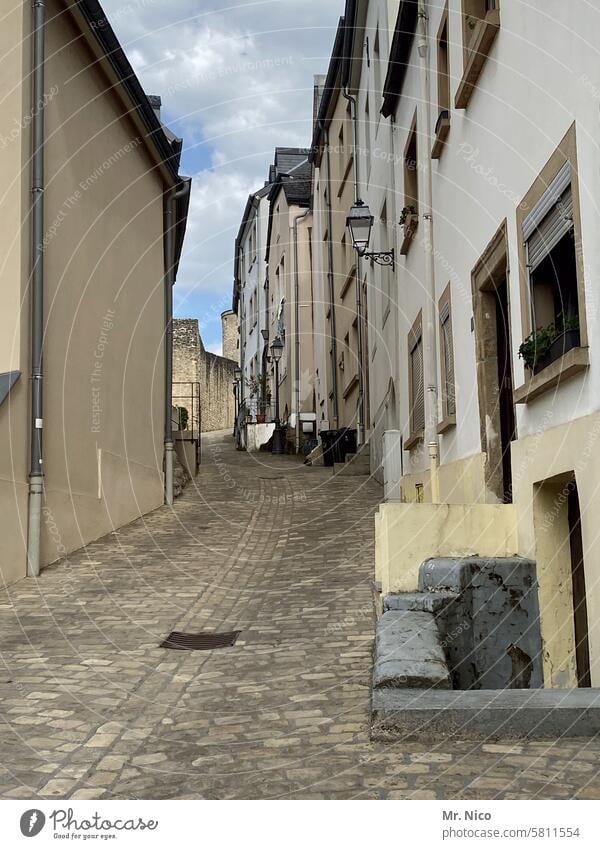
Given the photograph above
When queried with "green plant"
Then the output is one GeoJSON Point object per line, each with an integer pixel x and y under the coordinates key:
{"type": "Point", "coordinates": [183, 417]}
{"type": "Point", "coordinates": [568, 322]}
{"type": "Point", "coordinates": [536, 346]}
{"type": "Point", "coordinates": [258, 385]}
{"type": "Point", "coordinates": [406, 213]}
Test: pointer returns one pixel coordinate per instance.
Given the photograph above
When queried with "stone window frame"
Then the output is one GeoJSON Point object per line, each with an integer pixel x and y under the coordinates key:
{"type": "Point", "coordinates": [415, 336]}
{"type": "Point", "coordinates": [477, 44]}
{"type": "Point", "coordinates": [412, 198]}
{"type": "Point", "coordinates": [443, 85]}
{"type": "Point", "coordinates": [445, 304]}
{"type": "Point", "coordinates": [577, 359]}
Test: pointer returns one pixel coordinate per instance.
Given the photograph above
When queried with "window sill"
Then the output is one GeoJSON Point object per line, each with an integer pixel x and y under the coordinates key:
{"type": "Point", "coordinates": [409, 232]}
{"type": "Point", "coordinates": [351, 386]}
{"type": "Point", "coordinates": [346, 284]}
{"type": "Point", "coordinates": [442, 128]}
{"type": "Point", "coordinates": [446, 424]}
{"type": "Point", "coordinates": [386, 313]}
{"type": "Point", "coordinates": [486, 31]}
{"type": "Point", "coordinates": [414, 440]}
{"type": "Point", "coordinates": [573, 362]}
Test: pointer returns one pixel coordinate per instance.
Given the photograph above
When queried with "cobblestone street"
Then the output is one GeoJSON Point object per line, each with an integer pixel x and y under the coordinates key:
{"type": "Point", "coordinates": [93, 708]}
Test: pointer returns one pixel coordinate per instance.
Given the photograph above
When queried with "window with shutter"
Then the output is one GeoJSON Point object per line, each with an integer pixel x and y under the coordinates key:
{"type": "Point", "coordinates": [447, 352]}
{"type": "Point", "coordinates": [417, 385]}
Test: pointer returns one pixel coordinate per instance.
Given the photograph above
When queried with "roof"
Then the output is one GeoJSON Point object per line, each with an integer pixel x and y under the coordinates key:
{"type": "Point", "coordinates": [285, 159]}
{"type": "Point", "coordinates": [404, 33]}
{"type": "Point", "coordinates": [167, 146]}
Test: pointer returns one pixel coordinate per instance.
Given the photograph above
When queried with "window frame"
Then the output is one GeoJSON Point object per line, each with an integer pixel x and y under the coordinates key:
{"type": "Point", "coordinates": [445, 307]}
{"type": "Point", "coordinates": [414, 339]}
{"type": "Point", "coordinates": [576, 359]}
{"type": "Point", "coordinates": [410, 227]}
{"type": "Point", "coordinates": [476, 48]}
{"type": "Point", "coordinates": [443, 86]}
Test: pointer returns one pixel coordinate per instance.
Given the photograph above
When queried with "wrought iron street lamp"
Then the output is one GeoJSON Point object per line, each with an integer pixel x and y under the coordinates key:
{"type": "Point", "coordinates": [278, 437]}
{"type": "Point", "coordinates": [360, 224]}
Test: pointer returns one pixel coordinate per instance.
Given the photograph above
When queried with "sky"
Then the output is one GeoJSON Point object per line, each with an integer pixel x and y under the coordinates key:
{"type": "Point", "coordinates": [236, 80]}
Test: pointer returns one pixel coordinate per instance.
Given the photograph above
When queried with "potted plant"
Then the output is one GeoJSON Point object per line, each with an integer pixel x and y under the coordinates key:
{"type": "Point", "coordinates": [257, 386]}
{"type": "Point", "coordinates": [567, 337]}
{"type": "Point", "coordinates": [409, 219]}
{"type": "Point", "coordinates": [535, 349]}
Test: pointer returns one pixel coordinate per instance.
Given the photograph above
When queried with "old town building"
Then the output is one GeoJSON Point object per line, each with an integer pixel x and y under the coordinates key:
{"type": "Point", "coordinates": [89, 319]}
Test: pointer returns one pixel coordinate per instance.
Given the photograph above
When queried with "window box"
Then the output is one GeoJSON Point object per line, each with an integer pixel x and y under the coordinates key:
{"type": "Point", "coordinates": [410, 227]}
{"type": "Point", "coordinates": [413, 440]}
{"type": "Point", "coordinates": [442, 128]}
{"type": "Point", "coordinates": [484, 34]}
{"type": "Point", "coordinates": [570, 364]}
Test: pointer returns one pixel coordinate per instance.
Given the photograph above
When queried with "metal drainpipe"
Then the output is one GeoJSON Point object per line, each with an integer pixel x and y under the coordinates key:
{"type": "Point", "coordinates": [297, 322]}
{"type": "Point", "coordinates": [361, 436]}
{"type": "Point", "coordinates": [336, 411]}
{"type": "Point", "coordinates": [36, 472]}
{"type": "Point", "coordinates": [172, 196]}
{"type": "Point", "coordinates": [431, 396]}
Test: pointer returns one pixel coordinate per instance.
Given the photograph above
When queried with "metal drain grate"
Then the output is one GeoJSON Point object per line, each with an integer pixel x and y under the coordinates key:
{"type": "Point", "coordinates": [199, 642]}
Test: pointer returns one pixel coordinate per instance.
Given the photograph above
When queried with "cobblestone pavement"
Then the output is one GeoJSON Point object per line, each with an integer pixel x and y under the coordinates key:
{"type": "Point", "coordinates": [92, 708]}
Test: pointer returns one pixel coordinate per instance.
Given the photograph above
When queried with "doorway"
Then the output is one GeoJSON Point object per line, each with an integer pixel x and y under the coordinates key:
{"type": "Point", "coordinates": [580, 617]}
{"type": "Point", "coordinates": [491, 316]}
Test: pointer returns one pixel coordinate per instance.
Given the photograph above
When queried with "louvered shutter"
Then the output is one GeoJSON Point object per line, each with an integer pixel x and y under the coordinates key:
{"type": "Point", "coordinates": [448, 355]}
{"type": "Point", "coordinates": [418, 387]}
{"type": "Point", "coordinates": [550, 219]}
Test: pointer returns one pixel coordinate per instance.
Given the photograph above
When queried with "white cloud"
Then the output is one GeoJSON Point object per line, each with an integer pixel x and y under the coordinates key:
{"type": "Point", "coordinates": [235, 82]}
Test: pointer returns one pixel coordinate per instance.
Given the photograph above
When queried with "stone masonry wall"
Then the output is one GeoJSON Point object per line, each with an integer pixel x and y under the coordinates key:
{"type": "Point", "coordinates": [215, 375]}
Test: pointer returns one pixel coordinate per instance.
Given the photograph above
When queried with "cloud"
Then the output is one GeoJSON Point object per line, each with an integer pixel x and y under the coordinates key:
{"type": "Point", "coordinates": [235, 83]}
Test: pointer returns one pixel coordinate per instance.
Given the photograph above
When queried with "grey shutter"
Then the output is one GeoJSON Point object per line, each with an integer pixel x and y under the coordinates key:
{"type": "Point", "coordinates": [418, 387]}
{"type": "Point", "coordinates": [448, 353]}
{"type": "Point", "coordinates": [550, 219]}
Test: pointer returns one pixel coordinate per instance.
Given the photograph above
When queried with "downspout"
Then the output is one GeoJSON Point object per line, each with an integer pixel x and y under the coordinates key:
{"type": "Point", "coordinates": [172, 196]}
{"type": "Point", "coordinates": [36, 471]}
{"type": "Point", "coordinates": [297, 323]}
{"type": "Point", "coordinates": [361, 435]}
{"type": "Point", "coordinates": [336, 412]}
{"type": "Point", "coordinates": [430, 338]}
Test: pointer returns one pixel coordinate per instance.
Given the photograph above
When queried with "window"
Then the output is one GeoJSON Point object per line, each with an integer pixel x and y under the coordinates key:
{"type": "Point", "coordinates": [447, 360]}
{"type": "Point", "coordinates": [442, 126]}
{"type": "Point", "coordinates": [377, 85]}
{"type": "Point", "coordinates": [386, 271]}
{"type": "Point", "coordinates": [416, 384]}
{"type": "Point", "coordinates": [480, 25]}
{"type": "Point", "coordinates": [548, 232]}
{"type": "Point", "coordinates": [410, 213]}
{"type": "Point", "coordinates": [551, 274]}
{"type": "Point", "coordinates": [368, 137]}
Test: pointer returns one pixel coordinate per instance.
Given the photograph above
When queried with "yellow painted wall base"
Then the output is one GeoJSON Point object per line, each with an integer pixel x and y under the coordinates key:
{"type": "Point", "coordinates": [408, 534]}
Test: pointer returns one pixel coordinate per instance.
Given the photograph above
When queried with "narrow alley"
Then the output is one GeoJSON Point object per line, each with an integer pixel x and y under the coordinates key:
{"type": "Point", "coordinates": [94, 708]}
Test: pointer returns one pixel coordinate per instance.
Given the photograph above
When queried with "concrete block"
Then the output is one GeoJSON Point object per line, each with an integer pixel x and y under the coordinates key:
{"type": "Point", "coordinates": [484, 714]}
{"type": "Point", "coordinates": [426, 602]}
{"type": "Point", "coordinates": [408, 652]}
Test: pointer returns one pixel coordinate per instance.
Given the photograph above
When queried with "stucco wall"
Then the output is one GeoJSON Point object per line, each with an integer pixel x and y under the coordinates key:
{"type": "Point", "coordinates": [104, 304]}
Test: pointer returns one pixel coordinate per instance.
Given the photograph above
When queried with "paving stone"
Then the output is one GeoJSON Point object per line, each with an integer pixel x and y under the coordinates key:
{"type": "Point", "coordinates": [289, 562]}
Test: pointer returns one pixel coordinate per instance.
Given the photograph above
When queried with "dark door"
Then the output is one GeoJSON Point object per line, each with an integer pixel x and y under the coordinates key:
{"type": "Point", "coordinates": [582, 646]}
{"type": "Point", "coordinates": [505, 388]}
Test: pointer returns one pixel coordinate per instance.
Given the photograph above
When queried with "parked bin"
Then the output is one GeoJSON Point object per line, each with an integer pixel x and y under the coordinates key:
{"type": "Point", "coordinates": [329, 441]}
{"type": "Point", "coordinates": [346, 443]}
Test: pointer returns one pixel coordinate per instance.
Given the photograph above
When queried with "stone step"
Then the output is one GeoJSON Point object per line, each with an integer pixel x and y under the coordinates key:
{"type": "Point", "coordinates": [356, 464]}
{"type": "Point", "coordinates": [408, 652]}
{"type": "Point", "coordinates": [484, 714]}
{"type": "Point", "coordinates": [426, 602]}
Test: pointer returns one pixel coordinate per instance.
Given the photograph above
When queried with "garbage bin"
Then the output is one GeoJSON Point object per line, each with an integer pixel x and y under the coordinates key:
{"type": "Point", "coordinates": [329, 442]}
{"type": "Point", "coordinates": [346, 443]}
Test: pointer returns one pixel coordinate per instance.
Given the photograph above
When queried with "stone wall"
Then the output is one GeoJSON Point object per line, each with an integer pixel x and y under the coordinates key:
{"type": "Point", "coordinates": [231, 336]}
{"type": "Point", "coordinates": [214, 374]}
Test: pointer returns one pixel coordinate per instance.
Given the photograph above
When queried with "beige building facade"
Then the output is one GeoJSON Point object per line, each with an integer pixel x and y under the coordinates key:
{"type": "Point", "coordinates": [103, 290]}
